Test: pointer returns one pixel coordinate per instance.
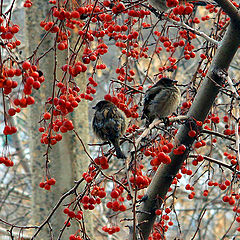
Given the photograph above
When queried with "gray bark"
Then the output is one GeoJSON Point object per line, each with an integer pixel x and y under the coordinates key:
{"type": "Point", "coordinates": [67, 159]}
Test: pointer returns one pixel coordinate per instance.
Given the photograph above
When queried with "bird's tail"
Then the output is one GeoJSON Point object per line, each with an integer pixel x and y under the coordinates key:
{"type": "Point", "coordinates": [118, 150]}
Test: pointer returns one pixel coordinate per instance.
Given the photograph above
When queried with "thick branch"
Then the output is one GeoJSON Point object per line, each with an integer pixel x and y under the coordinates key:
{"type": "Point", "coordinates": [199, 110]}
{"type": "Point", "coordinates": [231, 10]}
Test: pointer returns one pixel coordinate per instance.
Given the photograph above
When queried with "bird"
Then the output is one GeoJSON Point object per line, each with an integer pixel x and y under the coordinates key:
{"type": "Point", "coordinates": [161, 5]}
{"type": "Point", "coordinates": [109, 124]}
{"type": "Point", "coordinates": [161, 100]}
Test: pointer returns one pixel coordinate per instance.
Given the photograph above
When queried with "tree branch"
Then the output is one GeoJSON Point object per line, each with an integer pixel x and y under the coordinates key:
{"type": "Point", "coordinates": [230, 9]}
{"type": "Point", "coordinates": [204, 99]}
{"type": "Point", "coordinates": [218, 134]}
{"type": "Point", "coordinates": [215, 161]}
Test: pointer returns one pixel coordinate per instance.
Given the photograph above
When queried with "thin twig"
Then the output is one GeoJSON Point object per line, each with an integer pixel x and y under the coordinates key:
{"type": "Point", "coordinates": [71, 191]}
{"type": "Point", "coordinates": [214, 161]}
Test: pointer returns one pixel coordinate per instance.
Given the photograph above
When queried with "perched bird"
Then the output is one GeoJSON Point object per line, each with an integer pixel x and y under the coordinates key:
{"type": "Point", "coordinates": [161, 100]}
{"type": "Point", "coordinates": [161, 5]}
{"type": "Point", "coordinates": [109, 124]}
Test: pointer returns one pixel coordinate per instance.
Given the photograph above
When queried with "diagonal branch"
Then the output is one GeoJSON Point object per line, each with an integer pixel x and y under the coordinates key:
{"type": "Point", "coordinates": [203, 101]}
{"type": "Point", "coordinates": [230, 9]}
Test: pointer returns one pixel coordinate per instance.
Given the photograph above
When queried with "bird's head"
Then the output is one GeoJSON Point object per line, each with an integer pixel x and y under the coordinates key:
{"type": "Point", "coordinates": [102, 104]}
{"type": "Point", "coordinates": [166, 82]}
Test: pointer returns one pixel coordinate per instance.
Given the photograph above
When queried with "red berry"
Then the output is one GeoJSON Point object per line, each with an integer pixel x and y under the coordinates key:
{"type": "Point", "coordinates": [205, 193]}
{"type": "Point", "coordinates": [41, 129]}
{"type": "Point", "coordinates": [72, 237]}
{"type": "Point", "coordinates": [66, 210]}
{"type": "Point", "coordinates": [226, 198]}
{"type": "Point", "coordinates": [85, 199]}
{"type": "Point", "coordinates": [227, 183]}
{"type": "Point", "coordinates": [108, 97]}
{"type": "Point", "coordinates": [191, 196]}
{"type": "Point", "coordinates": [114, 194]}
{"type": "Point", "coordinates": [30, 100]}
{"type": "Point", "coordinates": [122, 208]}
{"type": "Point", "coordinates": [47, 116]}
{"type": "Point", "coordinates": [167, 210]}
{"type": "Point", "coordinates": [26, 65]}
{"type": "Point", "coordinates": [51, 181]}
{"type": "Point", "coordinates": [192, 133]}
{"type": "Point", "coordinates": [109, 205]}
{"type": "Point", "coordinates": [222, 187]}
{"type": "Point", "coordinates": [47, 187]}
{"type": "Point", "coordinates": [102, 194]}
{"type": "Point", "coordinates": [200, 158]}
{"type": "Point", "coordinates": [158, 212]}
{"type": "Point", "coordinates": [41, 184]}
{"type": "Point", "coordinates": [36, 85]}
{"type": "Point", "coordinates": [170, 223]}
{"type": "Point", "coordinates": [11, 111]}
{"type": "Point", "coordinates": [61, 46]}
{"type": "Point", "coordinates": [71, 214]}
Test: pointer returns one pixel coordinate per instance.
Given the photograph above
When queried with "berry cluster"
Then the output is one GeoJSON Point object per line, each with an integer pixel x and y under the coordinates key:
{"type": "Point", "coordinates": [111, 230]}
{"type": "Point", "coordinates": [6, 161]}
{"type": "Point", "coordinates": [47, 184]}
{"type": "Point", "coordinates": [123, 104]}
{"type": "Point", "coordinates": [102, 162]}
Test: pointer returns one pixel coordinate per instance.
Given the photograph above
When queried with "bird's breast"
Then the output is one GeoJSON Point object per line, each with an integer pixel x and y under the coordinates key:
{"type": "Point", "coordinates": [165, 103]}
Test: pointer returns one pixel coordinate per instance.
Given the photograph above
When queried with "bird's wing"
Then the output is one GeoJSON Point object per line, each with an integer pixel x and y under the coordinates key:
{"type": "Point", "coordinates": [162, 96]}
{"type": "Point", "coordinates": [109, 123]}
{"type": "Point", "coordinates": [113, 123]}
{"type": "Point", "coordinates": [149, 96]}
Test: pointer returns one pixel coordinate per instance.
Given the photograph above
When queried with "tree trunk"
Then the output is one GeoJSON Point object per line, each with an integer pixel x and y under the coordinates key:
{"type": "Point", "coordinates": [203, 101]}
{"type": "Point", "coordinates": [67, 158]}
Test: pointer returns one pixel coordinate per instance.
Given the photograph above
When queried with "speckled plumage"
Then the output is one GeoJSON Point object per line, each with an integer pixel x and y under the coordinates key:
{"type": "Point", "coordinates": [161, 100]}
{"type": "Point", "coordinates": [109, 124]}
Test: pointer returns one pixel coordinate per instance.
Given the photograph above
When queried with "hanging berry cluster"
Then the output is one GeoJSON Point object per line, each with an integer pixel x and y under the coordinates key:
{"type": "Point", "coordinates": [8, 32]}
{"type": "Point", "coordinates": [117, 203]}
{"type": "Point", "coordinates": [102, 162]}
{"type": "Point", "coordinates": [47, 184]}
{"type": "Point", "coordinates": [121, 102]}
{"type": "Point", "coordinates": [159, 153]}
{"type": "Point", "coordinates": [111, 230]}
{"type": "Point", "coordinates": [32, 78]}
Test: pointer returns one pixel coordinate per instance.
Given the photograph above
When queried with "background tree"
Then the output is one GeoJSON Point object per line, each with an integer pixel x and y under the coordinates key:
{"type": "Point", "coordinates": [179, 180]}
{"type": "Point", "coordinates": [68, 155]}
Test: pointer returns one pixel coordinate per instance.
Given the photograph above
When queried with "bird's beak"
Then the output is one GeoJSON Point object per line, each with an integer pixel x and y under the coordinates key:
{"type": "Point", "coordinates": [94, 107]}
{"type": "Point", "coordinates": [175, 81]}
